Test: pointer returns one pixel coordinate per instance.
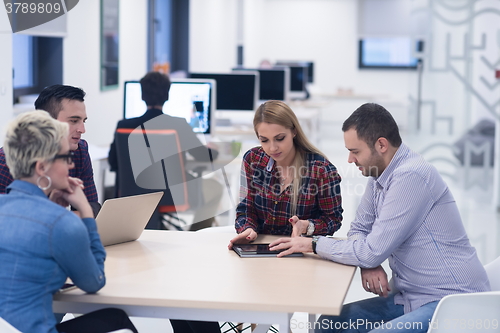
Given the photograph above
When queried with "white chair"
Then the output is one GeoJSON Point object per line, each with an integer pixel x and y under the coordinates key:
{"type": "Point", "coordinates": [493, 271]}
{"type": "Point", "coordinates": [5, 327]}
{"type": "Point", "coordinates": [474, 312]}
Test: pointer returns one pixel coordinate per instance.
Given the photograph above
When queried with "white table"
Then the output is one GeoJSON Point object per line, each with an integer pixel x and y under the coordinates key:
{"type": "Point", "coordinates": [189, 275]}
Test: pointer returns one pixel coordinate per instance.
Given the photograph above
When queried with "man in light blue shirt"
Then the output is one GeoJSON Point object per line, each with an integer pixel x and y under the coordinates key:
{"type": "Point", "coordinates": [407, 215]}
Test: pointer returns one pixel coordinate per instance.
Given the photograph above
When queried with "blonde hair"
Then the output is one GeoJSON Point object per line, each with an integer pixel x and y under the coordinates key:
{"type": "Point", "coordinates": [31, 137]}
{"type": "Point", "coordinates": [277, 112]}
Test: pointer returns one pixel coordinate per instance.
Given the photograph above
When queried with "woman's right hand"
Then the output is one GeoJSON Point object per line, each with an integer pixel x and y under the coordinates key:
{"type": "Point", "coordinates": [247, 236]}
{"type": "Point", "coordinates": [299, 226]}
{"type": "Point", "coordinates": [57, 195]}
{"type": "Point", "coordinates": [75, 196]}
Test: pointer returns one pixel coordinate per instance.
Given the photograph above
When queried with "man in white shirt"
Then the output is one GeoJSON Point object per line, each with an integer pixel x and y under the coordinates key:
{"type": "Point", "coordinates": [408, 216]}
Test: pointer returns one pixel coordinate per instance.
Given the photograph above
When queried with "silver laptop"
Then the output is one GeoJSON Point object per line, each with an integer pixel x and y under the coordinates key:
{"type": "Point", "coordinates": [123, 219]}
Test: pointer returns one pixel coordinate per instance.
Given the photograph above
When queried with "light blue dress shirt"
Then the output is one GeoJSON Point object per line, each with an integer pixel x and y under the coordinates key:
{"type": "Point", "coordinates": [41, 244]}
{"type": "Point", "coordinates": [409, 216]}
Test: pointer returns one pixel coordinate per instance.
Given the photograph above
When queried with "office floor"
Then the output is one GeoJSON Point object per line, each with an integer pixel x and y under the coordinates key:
{"type": "Point", "coordinates": [472, 191]}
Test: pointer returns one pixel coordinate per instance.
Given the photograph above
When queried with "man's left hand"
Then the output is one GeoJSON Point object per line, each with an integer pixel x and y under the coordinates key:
{"type": "Point", "coordinates": [375, 281]}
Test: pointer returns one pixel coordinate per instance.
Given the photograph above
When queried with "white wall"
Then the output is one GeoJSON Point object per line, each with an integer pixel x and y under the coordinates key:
{"type": "Point", "coordinates": [324, 31]}
{"type": "Point", "coordinates": [490, 92]}
{"type": "Point", "coordinates": [82, 62]}
{"type": "Point", "coordinates": [212, 35]}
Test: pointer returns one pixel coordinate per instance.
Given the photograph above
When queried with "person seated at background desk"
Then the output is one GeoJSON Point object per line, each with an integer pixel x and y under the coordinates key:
{"type": "Point", "coordinates": [155, 88]}
{"type": "Point", "coordinates": [288, 186]}
{"type": "Point", "coordinates": [407, 215]}
{"type": "Point", "coordinates": [41, 242]}
{"type": "Point", "coordinates": [66, 104]}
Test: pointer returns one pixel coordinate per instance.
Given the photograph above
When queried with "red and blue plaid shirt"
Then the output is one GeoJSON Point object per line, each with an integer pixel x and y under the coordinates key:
{"type": "Point", "coordinates": [263, 208]}
{"type": "Point", "coordinates": [82, 170]}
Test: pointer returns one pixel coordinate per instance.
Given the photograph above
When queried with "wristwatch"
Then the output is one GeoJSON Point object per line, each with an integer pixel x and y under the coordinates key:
{"type": "Point", "coordinates": [314, 243]}
{"type": "Point", "coordinates": [310, 229]}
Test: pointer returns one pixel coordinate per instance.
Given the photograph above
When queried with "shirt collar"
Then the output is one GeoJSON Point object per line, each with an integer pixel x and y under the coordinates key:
{"type": "Point", "coordinates": [154, 111]}
{"type": "Point", "coordinates": [79, 146]}
{"type": "Point", "coordinates": [401, 153]}
{"type": "Point", "coordinates": [270, 164]}
{"type": "Point", "coordinates": [25, 187]}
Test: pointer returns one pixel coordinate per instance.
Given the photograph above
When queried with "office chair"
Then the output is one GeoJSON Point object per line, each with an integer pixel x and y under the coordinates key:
{"type": "Point", "coordinates": [474, 312]}
{"type": "Point", "coordinates": [151, 160]}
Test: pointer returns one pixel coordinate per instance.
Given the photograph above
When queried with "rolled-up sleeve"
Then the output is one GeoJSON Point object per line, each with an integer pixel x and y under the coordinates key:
{"type": "Point", "coordinates": [328, 217]}
{"type": "Point", "coordinates": [246, 216]}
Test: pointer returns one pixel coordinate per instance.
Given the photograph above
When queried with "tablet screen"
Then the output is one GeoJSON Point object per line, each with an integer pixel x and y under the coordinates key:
{"type": "Point", "coordinates": [258, 250]}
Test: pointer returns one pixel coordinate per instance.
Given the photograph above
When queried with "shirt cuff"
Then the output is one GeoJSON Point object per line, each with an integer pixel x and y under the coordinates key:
{"type": "Point", "coordinates": [324, 247]}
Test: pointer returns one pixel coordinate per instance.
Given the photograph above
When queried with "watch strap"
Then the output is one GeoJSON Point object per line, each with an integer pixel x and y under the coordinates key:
{"type": "Point", "coordinates": [314, 243]}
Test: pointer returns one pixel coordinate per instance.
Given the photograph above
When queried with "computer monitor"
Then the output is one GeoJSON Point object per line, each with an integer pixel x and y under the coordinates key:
{"type": "Point", "coordinates": [308, 64]}
{"type": "Point", "coordinates": [388, 53]}
{"type": "Point", "coordinates": [298, 79]}
{"type": "Point", "coordinates": [192, 99]}
{"type": "Point", "coordinates": [236, 91]}
{"type": "Point", "coordinates": [274, 83]}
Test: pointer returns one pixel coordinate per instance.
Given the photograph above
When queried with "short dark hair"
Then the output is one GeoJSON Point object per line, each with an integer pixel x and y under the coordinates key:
{"type": "Point", "coordinates": [50, 98]}
{"type": "Point", "coordinates": [155, 87]}
{"type": "Point", "coordinates": [371, 122]}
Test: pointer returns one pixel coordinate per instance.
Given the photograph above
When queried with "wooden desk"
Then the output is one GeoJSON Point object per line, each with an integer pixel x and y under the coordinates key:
{"type": "Point", "coordinates": [189, 275]}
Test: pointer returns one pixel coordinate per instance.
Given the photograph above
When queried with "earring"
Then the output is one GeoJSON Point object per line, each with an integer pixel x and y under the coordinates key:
{"type": "Point", "coordinates": [43, 188]}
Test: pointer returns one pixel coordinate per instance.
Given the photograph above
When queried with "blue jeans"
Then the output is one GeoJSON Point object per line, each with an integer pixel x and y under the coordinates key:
{"type": "Point", "coordinates": [377, 315]}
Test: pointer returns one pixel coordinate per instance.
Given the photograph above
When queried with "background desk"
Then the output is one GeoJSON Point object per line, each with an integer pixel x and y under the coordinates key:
{"type": "Point", "coordinates": [189, 275]}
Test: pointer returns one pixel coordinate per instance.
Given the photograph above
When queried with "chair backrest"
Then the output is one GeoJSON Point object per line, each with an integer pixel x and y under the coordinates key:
{"type": "Point", "coordinates": [151, 160]}
{"type": "Point", "coordinates": [5, 327]}
{"type": "Point", "coordinates": [474, 308]}
{"type": "Point", "coordinates": [493, 271]}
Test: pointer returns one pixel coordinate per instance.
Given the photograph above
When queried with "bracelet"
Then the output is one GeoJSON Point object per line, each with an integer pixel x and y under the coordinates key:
{"type": "Point", "coordinates": [310, 228]}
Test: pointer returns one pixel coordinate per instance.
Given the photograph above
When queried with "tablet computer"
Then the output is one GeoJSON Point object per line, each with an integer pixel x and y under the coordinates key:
{"type": "Point", "coordinates": [258, 250]}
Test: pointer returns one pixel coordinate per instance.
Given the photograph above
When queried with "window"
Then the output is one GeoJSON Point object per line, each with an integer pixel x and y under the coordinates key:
{"type": "Point", "coordinates": [37, 63]}
{"type": "Point", "coordinates": [168, 35]}
{"type": "Point", "coordinates": [22, 60]}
